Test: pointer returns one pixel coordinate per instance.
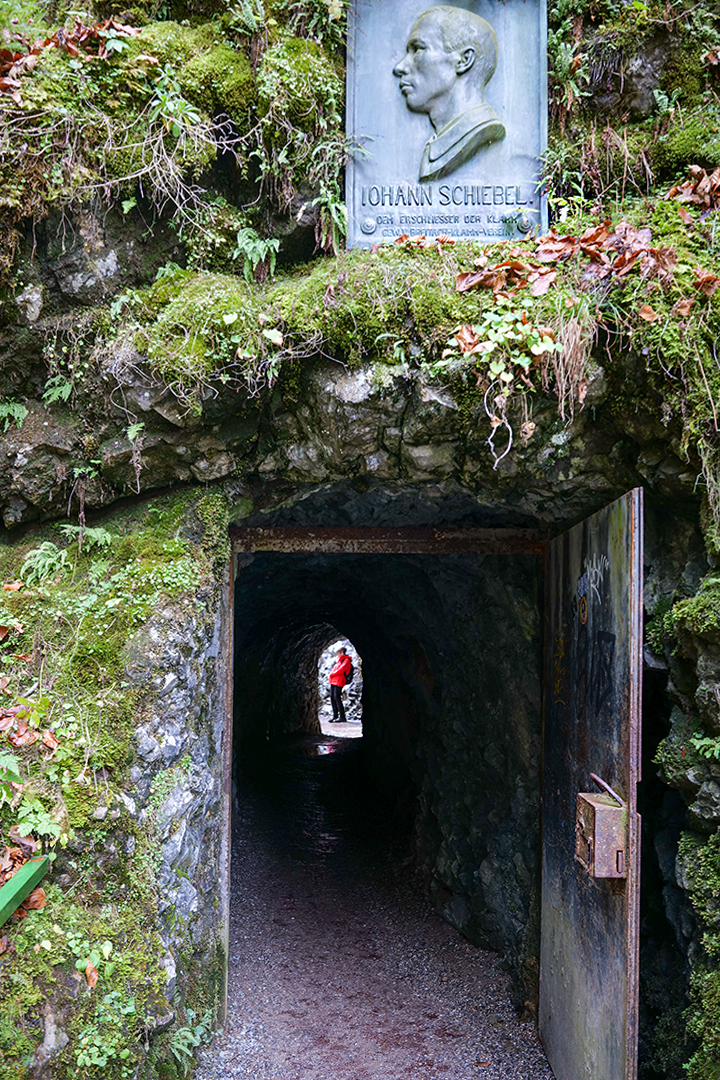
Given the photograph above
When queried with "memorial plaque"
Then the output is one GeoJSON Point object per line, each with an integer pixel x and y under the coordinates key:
{"type": "Point", "coordinates": [448, 103]}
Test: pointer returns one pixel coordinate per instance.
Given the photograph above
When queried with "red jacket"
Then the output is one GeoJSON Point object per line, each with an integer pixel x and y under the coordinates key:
{"type": "Point", "coordinates": [339, 672]}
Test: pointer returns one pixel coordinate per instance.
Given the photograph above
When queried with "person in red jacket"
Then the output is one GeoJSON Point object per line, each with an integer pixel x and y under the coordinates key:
{"type": "Point", "coordinates": [338, 678]}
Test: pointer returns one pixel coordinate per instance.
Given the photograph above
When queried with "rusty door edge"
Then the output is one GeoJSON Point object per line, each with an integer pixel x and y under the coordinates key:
{"type": "Point", "coordinates": [633, 881]}
{"type": "Point", "coordinates": [634, 832]}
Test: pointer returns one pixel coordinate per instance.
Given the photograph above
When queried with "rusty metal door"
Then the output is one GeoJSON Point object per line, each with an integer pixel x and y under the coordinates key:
{"type": "Point", "coordinates": [590, 880]}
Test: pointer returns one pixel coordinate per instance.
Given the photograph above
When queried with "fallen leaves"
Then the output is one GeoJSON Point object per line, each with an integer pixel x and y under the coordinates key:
{"type": "Point", "coordinates": [13, 586]}
{"type": "Point", "coordinates": [23, 735]}
{"type": "Point", "coordinates": [14, 64]}
{"type": "Point", "coordinates": [91, 974]}
{"type": "Point", "coordinates": [11, 860]}
{"type": "Point", "coordinates": [683, 307]}
{"type": "Point", "coordinates": [611, 253]}
{"type": "Point", "coordinates": [49, 740]}
{"type": "Point", "coordinates": [705, 281]}
{"type": "Point", "coordinates": [36, 901]}
{"type": "Point", "coordinates": [27, 845]}
{"type": "Point", "coordinates": [647, 313]}
{"type": "Point", "coordinates": [90, 42]}
{"type": "Point", "coordinates": [699, 189]}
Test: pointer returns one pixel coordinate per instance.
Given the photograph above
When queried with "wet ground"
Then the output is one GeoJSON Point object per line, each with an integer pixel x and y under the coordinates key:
{"type": "Point", "coordinates": [339, 969]}
{"type": "Point", "coordinates": [350, 729]}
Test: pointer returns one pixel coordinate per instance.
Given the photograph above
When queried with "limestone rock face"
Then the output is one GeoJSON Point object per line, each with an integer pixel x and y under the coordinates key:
{"type": "Point", "coordinates": [357, 425]}
{"type": "Point", "coordinates": [624, 87]}
{"type": "Point", "coordinates": [174, 661]}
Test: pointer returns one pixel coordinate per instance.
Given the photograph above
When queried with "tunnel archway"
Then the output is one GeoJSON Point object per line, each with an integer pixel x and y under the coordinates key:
{"type": "Point", "coordinates": [451, 708]}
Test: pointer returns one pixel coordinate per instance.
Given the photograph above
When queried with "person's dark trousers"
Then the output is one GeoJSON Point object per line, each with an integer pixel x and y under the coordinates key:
{"type": "Point", "coordinates": [337, 702]}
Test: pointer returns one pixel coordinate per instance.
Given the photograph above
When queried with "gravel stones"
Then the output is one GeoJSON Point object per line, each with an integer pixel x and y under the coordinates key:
{"type": "Point", "coordinates": [339, 969]}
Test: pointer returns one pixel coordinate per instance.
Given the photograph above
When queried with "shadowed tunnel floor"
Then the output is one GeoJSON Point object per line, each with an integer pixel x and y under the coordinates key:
{"type": "Point", "coordinates": [339, 969]}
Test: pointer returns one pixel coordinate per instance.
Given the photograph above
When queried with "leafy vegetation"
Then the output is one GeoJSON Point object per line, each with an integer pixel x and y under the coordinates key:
{"type": "Point", "coordinates": [70, 606]}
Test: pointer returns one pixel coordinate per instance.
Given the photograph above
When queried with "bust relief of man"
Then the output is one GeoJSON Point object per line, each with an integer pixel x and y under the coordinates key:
{"type": "Point", "coordinates": [451, 56]}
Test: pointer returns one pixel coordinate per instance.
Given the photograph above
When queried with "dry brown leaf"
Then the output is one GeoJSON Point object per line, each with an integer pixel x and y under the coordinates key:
{"type": "Point", "coordinates": [4, 680]}
{"type": "Point", "coordinates": [26, 738]}
{"type": "Point", "coordinates": [91, 975]}
{"type": "Point", "coordinates": [36, 901]}
{"type": "Point", "coordinates": [466, 338]}
{"type": "Point", "coordinates": [49, 740]}
{"type": "Point", "coordinates": [683, 307]}
{"type": "Point", "coordinates": [26, 843]}
{"type": "Point", "coordinates": [4, 631]}
{"type": "Point", "coordinates": [471, 278]}
{"type": "Point", "coordinates": [648, 313]}
{"type": "Point", "coordinates": [541, 282]}
{"type": "Point", "coordinates": [13, 586]}
{"type": "Point", "coordinates": [3, 944]}
{"type": "Point", "coordinates": [685, 215]}
{"type": "Point", "coordinates": [24, 656]}
{"type": "Point", "coordinates": [706, 282]}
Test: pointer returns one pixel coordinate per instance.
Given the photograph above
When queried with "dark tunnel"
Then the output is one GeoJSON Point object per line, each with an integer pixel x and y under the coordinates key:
{"type": "Point", "coordinates": [451, 649]}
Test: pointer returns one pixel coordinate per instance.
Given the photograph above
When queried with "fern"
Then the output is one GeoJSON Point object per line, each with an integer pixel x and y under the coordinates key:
{"type": "Point", "coordinates": [43, 562]}
{"type": "Point", "coordinates": [12, 411]}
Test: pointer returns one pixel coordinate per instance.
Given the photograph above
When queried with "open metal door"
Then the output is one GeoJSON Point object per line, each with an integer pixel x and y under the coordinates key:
{"type": "Point", "coordinates": [591, 830]}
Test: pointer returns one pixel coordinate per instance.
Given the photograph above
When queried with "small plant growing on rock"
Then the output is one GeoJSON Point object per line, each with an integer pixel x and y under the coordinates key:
{"type": "Point", "coordinates": [184, 1040]}
{"type": "Point", "coordinates": [259, 256]}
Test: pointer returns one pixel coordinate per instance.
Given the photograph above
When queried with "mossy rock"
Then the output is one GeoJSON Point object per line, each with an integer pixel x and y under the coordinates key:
{"type": "Point", "coordinates": [704, 1023]}
{"type": "Point", "coordinates": [219, 80]}
{"type": "Point", "coordinates": [686, 73]}
{"type": "Point", "coordinates": [172, 43]}
{"type": "Point", "coordinates": [696, 143]}
{"type": "Point", "coordinates": [297, 79]}
{"type": "Point", "coordinates": [699, 616]}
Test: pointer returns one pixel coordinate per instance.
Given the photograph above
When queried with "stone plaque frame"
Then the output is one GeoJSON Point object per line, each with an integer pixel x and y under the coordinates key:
{"type": "Point", "coordinates": [465, 164]}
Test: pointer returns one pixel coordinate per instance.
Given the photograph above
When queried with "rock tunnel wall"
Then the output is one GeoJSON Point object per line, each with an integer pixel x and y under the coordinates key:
{"type": "Point", "coordinates": [451, 706]}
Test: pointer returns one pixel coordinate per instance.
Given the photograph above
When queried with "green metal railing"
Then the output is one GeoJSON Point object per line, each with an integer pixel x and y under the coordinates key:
{"type": "Point", "coordinates": [21, 884]}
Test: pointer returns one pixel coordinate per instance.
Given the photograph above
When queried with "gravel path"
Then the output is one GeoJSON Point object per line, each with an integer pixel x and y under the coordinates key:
{"type": "Point", "coordinates": [339, 970]}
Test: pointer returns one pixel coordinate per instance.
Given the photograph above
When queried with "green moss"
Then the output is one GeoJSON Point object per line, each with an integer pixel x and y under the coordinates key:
{"type": "Point", "coordinates": [701, 859]}
{"type": "Point", "coordinates": [700, 614]}
{"type": "Point", "coordinates": [658, 625]}
{"type": "Point", "coordinates": [685, 75]}
{"type": "Point", "coordinates": [212, 75]}
{"type": "Point", "coordinates": [173, 44]}
{"type": "Point", "coordinates": [696, 142]}
{"type": "Point", "coordinates": [299, 81]}
{"type": "Point", "coordinates": [704, 1023]}
{"type": "Point", "coordinates": [219, 80]}
{"type": "Point", "coordinates": [213, 513]}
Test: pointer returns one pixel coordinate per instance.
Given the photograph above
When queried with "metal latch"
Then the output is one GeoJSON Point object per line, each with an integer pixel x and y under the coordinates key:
{"type": "Point", "coordinates": [600, 830]}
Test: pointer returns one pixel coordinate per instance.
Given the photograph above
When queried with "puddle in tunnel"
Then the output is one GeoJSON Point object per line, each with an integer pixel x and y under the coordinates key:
{"type": "Point", "coordinates": [339, 967]}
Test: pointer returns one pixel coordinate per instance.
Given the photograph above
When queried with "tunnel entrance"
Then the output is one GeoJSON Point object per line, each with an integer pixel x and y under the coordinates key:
{"type": "Point", "coordinates": [451, 637]}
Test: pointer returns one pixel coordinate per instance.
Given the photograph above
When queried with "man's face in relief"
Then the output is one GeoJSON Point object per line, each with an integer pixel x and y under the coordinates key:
{"type": "Point", "coordinates": [428, 72]}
